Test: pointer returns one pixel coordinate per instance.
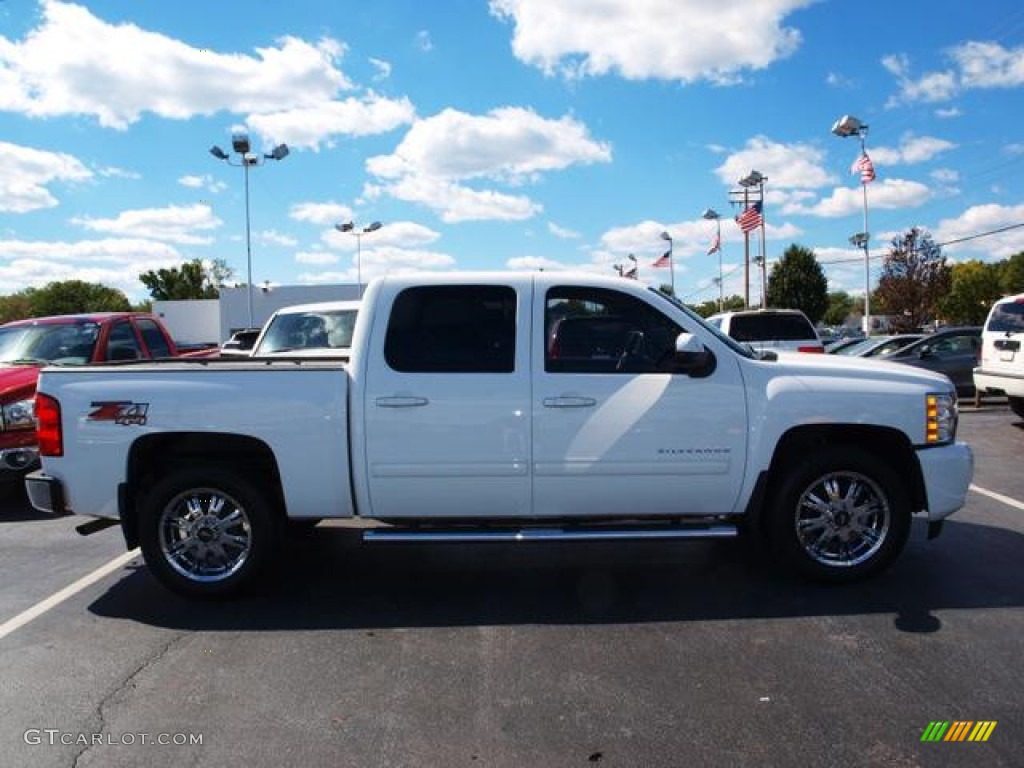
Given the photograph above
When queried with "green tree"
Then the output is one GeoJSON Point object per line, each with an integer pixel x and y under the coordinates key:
{"type": "Point", "coordinates": [68, 297]}
{"type": "Point", "coordinates": [17, 306]}
{"type": "Point", "coordinates": [798, 282]}
{"type": "Point", "coordinates": [1011, 278]}
{"type": "Point", "coordinates": [976, 286]}
{"type": "Point", "coordinates": [915, 278]}
{"type": "Point", "coordinates": [710, 307]}
{"type": "Point", "coordinates": [840, 306]}
{"type": "Point", "coordinates": [192, 280]}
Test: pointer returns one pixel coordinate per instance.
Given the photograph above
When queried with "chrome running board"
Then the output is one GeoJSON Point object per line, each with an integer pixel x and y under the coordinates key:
{"type": "Point", "coordinates": [482, 535]}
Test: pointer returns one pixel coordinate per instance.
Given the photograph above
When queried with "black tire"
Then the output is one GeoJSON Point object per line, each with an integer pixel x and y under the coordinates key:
{"type": "Point", "coordinates": [1017, 406]}
{"type": "Point", "coordinates": [839, 516]}
{"type": "Point", "coordinates": [207, 533]}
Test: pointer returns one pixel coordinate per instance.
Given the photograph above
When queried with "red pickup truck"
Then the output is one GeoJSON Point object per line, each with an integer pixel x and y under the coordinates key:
{"type": "Point", "coordinates": [27, 345]}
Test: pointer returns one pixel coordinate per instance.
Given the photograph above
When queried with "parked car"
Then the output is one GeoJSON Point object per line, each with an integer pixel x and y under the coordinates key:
{"type": "Point", "coordinates": [241, 343]}
{"type": "Point", "coordinates": [63, 340]}
{"type": "Point", "coordinates": [878, 346]}
{"type": "Point", "coordinates": [774, 330]}
{"type": "Point", "coordinates": [309, 330]}
{"type": "Point", "coordinates": [952, 351]}
{"type": "Point", "coordinates": [1001, 365]}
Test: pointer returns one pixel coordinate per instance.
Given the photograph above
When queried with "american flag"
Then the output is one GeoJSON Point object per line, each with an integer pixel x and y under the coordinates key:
{"type": "Point", "coordinates": [751, 218]}
{"type": "Point", "coordinates": [665, 260]}
{"type": "Point", "coordinates": [864, 167]}
{"type": "Point", "coordinates": [716, 244]}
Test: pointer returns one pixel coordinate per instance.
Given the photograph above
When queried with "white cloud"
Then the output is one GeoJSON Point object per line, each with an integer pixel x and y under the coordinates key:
{"type": "Point", "coordinates": [376, 262]}
{"type": "Point", "coordinates": [785, 166]}
{"type": "Point", "coordinates": [113, 172]}
{"type": "Point", "coordinates": [383, 68]}
{"type": "Point", "coordinates": [562, 232]}
{"type": "Point", "coordinates": [975, 64]}
{"type": "Point", "coordinates": [273, 237]}
{"type": "Point", "coordinates": [423, 41]}
{"type": "Point", "coordinates": [206, 181]}
{"type": "Point", "coordinates": [945, 175]}
{"type": "Point", "coordinates": [316, 257]}
{"type": "Point", "coordinates": [651, 39]}
{"type": "Point", "coordinates": [981, 219]}
{"type": "Point", "coordinates": [175, 223]}
{"type": "Point", "coordinates": [26, 172]}
{"type": "Point", "coordinates": [405, 234]}
{"type": "Point", "coordinates": [74, 63]}
{"type": "Point", "coordinates": [320, 213]}
{"type": "Point", "coordinates": [912, 149]}
{"type": "Point", "coordinates": [508, 145]}
{"type": "Point", "coordinates": [846, 201]}
{"type": "Point", "coordinates": [306, 127]}
{"type": "Point", "coordinates": [115, 262]}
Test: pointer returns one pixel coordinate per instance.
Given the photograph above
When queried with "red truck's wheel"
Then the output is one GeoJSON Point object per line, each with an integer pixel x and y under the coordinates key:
{"type": "Point", "coordinates": [840, 515]}
{"type": "Point", "coordinates": [206, 532]}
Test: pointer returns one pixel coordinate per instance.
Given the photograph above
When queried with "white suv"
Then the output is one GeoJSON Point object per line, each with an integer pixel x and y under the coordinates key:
{"type": "Point", "coordinates": [1001, 367]}
{"type": "Point", "coordinates": [778, 330]}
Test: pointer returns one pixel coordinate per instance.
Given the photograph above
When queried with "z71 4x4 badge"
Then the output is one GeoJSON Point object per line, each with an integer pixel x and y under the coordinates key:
{"type": "Point", "coordinates": [119, 411]}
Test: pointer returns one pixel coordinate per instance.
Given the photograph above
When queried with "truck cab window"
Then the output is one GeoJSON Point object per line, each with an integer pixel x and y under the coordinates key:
{"type": "Point", "coordinates": [122, 343]}
{"type": "Point", "coordinates": [595, 330]}
{"type": "Point", "coordinates": [452, 329]}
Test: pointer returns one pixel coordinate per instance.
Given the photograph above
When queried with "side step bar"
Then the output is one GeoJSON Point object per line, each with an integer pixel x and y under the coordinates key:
{"type": "Point", "coordinates": [483, 535]}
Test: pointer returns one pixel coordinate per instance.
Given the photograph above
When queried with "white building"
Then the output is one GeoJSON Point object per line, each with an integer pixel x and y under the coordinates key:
{"type": "Point", "coordinates": [214, 320]}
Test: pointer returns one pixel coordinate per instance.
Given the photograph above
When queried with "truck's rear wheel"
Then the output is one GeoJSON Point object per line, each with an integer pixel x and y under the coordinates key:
{"type": "Point", "coordinates": [1017, 405]}
{"type": "Point", "coordinates": [840, 516]}
{"type": "Point", "coordinates": [206, 532]}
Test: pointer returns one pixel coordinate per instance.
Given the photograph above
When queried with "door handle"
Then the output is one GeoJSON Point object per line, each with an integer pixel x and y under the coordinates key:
{"type": "Point", "coordinates": [400, 402]}
{"type": "Point", "coordinates": [569, 402]}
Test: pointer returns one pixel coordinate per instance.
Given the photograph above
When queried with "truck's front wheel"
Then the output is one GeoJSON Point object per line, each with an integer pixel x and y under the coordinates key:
{"type": "Point", "coordinates": [206, 532]}
{"type": "Point", "coordinates": [840, 516]}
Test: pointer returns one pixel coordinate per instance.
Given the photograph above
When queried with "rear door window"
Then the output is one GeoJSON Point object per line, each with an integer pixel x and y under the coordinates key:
{"type": "Point", "coordinates": [452, 329]}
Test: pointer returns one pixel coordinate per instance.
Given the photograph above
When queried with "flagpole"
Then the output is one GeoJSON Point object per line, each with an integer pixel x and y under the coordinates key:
{"type": "Point", "coordinates": [671, 260]}
{"type": "Point", "coordinates": [867, 256]}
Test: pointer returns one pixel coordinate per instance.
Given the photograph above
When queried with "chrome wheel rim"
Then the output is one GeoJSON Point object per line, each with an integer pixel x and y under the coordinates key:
{"type": "Point", "coordinates": [842, 519]}
{"type": "Point", "coordinates": [205, 535]}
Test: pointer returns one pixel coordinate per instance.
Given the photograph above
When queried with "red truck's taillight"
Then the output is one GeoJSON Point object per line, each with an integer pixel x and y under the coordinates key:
{"type": "Point", "coordinates": [817, 348]}
{"type": "Point", "coordinates": [48, 431]}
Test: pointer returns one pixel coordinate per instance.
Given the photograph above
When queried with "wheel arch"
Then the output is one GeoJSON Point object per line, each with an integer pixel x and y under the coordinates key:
{"type": "Point", "coordinates": [152, 456]}
{"type": "Point", "coordinates": [887, 443]}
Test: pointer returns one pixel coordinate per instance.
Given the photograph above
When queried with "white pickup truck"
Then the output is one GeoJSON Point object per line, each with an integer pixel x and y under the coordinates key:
{"type": "Point", "coordinates": [507, 407]}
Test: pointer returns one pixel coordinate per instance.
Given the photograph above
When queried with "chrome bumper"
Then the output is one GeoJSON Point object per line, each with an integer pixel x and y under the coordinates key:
{"type": "Point", "coordinates": [45, 493]}
{"type": "Point", "coordinates": [947, 472]}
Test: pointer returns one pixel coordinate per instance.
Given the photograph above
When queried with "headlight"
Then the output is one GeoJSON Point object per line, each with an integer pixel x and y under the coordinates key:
{"type": "Point", "coordinates": [20, 414]}
{"type": "Point", "coordinates": [940, 419]}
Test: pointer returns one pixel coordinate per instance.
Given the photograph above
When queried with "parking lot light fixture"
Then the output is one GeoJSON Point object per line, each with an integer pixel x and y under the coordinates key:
{"type": "Point", "coordinates": [350, 228]}
{"type": "Point", "coordinates": [844, 128]}
{"type": "Point", "coordinates": [241, 145]}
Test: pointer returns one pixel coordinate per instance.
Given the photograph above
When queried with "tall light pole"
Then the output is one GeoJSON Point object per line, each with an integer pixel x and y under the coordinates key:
{"type": "Point", "coordinates": [358, 233]}
{"type": "Point", "coordinates": [845, 127]}
{"type": "Point", "coordinates": [247, 159]}
{"type": "Point", "coordinates": [671, 260]}
{"type": "Point", "coordinates": [712, 214]}
{"type": "Point", "coordinates": [748, 182]}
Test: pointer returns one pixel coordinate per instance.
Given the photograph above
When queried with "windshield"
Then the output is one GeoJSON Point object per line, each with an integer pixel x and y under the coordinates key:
{"type": "Point", "coordinates": [58, 343]}
{"type": "Point", "coordinates": [324, 329]}
{"type": "Point", "coordinates": [739, 349]}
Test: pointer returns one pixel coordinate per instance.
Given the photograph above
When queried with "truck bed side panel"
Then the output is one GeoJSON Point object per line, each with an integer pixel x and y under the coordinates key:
{"type": "Point", "coordinates": [300, 412]}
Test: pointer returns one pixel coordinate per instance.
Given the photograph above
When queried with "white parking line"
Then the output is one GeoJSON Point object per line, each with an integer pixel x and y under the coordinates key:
{"type": "Point", "coordinates": [57, 598]}
{"type": "Point", "coordinates": [998, 497]}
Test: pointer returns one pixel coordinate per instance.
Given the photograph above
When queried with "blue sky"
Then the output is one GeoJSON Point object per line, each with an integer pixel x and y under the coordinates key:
{"type": "Point", "coordinates": [501, 134]}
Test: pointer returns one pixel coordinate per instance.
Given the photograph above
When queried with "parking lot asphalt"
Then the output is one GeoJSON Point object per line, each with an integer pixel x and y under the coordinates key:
{"type": "Point", "coordinates": [646, 654]}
